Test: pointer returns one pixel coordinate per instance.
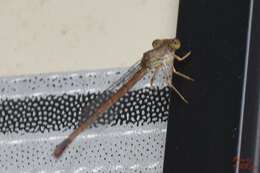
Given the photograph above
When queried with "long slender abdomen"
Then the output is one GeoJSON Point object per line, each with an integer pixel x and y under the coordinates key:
{"type": "Point", "coordinates": [99, 111]}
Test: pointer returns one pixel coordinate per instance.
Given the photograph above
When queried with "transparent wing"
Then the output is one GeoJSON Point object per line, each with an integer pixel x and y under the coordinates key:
{"type": "Point", "coordinates": [91, 106]}
{"type": "Point", "coordinates": [125, 77]}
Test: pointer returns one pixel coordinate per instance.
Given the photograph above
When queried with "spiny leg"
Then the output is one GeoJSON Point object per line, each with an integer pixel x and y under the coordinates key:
{"type": "Point", "coordinates": [178, 58]}
{"type": "Point", "coordinates": [169, 82]}
{"type": "Point", "coordinates": [176, 90]}
{"type": "Point", "coordinates": [181, 74]}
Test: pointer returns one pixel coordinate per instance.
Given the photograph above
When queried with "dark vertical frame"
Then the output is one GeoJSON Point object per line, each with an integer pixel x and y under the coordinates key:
{"type": "Point", "coordinates": [203, 135]}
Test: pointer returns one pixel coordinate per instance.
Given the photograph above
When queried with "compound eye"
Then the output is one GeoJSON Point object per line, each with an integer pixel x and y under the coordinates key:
{"type": "Point", "coordinates": [156, 43]}
{"type": "Point", "coordinates": [175, 44]}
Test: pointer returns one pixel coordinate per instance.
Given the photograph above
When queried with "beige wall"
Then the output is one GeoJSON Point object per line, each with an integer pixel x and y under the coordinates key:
{"type": "Point", "coordinates": [38, 36]}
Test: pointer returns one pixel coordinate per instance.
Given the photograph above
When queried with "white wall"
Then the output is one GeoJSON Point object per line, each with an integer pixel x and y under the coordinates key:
{"type": "Point", "coordinates": [39, 36]}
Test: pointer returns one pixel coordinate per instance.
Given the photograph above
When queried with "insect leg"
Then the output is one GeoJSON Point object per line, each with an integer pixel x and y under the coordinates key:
{"type": "Point", "coordinates": [181, 74]}
{"type": "Point", "coordinates": [178, 58]}
{"type": "Point", "coordinates": [169, 82]}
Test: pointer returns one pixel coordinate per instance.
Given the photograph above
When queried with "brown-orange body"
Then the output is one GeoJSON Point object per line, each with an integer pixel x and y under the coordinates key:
{"type": "Point", "coordinates": [163, 51]}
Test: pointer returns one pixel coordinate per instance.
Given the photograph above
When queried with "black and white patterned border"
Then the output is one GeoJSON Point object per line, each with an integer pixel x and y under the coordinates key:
{"type": "Point", "coordinates": [37, 112]}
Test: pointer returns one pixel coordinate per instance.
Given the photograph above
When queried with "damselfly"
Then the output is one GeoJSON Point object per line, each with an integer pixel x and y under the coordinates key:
{"type": "Point", "coordinates": [160, 57]}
